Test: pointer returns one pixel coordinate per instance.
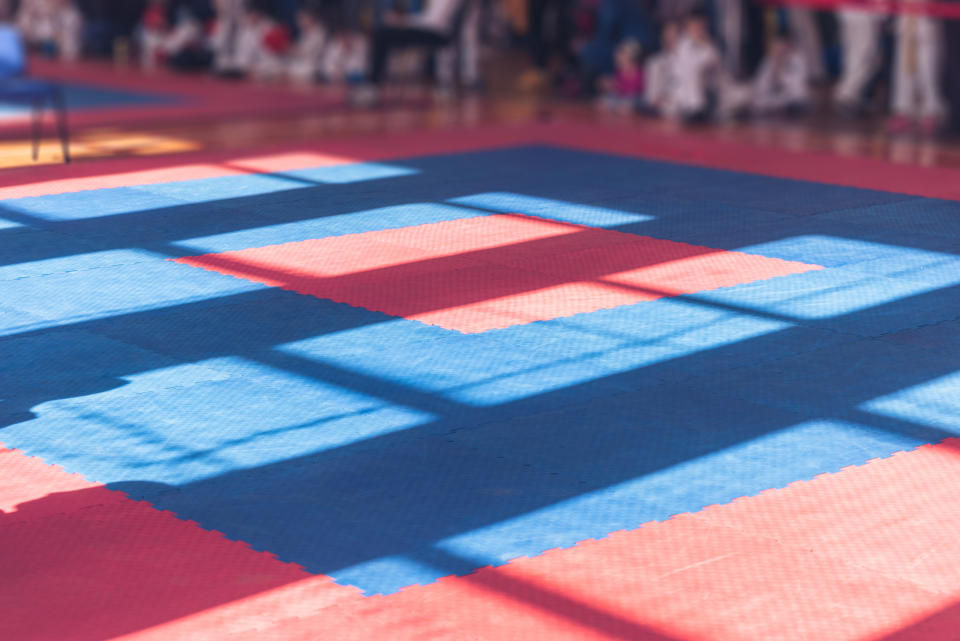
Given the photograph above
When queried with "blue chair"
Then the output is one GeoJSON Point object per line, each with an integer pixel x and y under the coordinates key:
{"type": "Point", "coordinates": [17, 87]}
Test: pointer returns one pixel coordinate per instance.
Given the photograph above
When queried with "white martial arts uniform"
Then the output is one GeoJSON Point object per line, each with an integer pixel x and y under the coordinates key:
{"type": "Point", "coordinates": [152, 44]}
{"type": "Point", "coordinates": [468, 47]}
{"type": "Point", "coordinates": [438, 16]}
{"type": "Point", "coordinates": [69, 31]}
{"type": "Point", "coordinates": [660, 81]}
{"type": "Point", "coordinates": [304, 64]}
{"type": "Point", "coordinates": [52, 22]}
{"type": "Point", "coordinates": [782, 83]}
{"type": "Point", "coordinates": [730, 21]}
{"type": "Point", "coordinates": [345, 58]}
{"type": "Point", "coordinates": [860, 39]}
{"type": "Point", "coordinates": [696, 68]}
{"type": "Point", "coordinates": [917, 67]}
{"type": "Point", "coordinates": [156, 42]}
{"type": "Point", "coordinates": [803, 28]}
{"type": "Point", "coordinates": [37, 21]}
{"type": "Point", "coordinates": [225, 40]}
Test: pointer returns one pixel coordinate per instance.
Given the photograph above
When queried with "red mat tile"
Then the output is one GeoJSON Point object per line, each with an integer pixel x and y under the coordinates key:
{"type": "Point", "coordinates": [477, 274]}
{"type": "Point", "coordinates": [83, 563]}
{"type": "Point", "coordinates": [866, 554]}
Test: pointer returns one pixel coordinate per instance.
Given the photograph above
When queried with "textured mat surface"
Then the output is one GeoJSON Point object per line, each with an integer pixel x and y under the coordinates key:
{"type": "Point", "coordinates": [364, 395]}
{"type": "Point", "coordinates": [490, 272]}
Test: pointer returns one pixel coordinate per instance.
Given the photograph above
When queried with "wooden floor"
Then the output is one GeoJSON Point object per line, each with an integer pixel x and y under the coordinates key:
{"type": "Point", "coordinates": [415, 110]}
{"type": "Point", "coordinates": [844, 139]}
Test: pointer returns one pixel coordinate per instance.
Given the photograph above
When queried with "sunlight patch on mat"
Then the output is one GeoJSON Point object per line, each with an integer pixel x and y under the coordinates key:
{"type": "Point", "coordinates": [490, 272]}
{"type": "Point", "coordinates": [935, 403]}
{"type": "Point", "coordinates": [335, 224]}
{"type": "Point", "coordinates": [493, 368]}
{"type": "Point", "coordinates": [887, 274]}
{"type": "Point", "coordinates": [508, 202]}
{"type": "Point", "coordinates": [149, 427]}
{"type": "Point", "coordinates": [10, 224]}
{"type": "Point", "coordinates": [157, 197]}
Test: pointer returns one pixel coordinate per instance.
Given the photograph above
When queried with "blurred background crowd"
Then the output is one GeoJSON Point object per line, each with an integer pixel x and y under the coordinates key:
{"type": "Point", "coordinates": [895, 62]}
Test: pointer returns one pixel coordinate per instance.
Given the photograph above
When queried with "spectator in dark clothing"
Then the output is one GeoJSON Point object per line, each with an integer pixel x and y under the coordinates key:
{"type": "Point", "coordinates": [618, 21]}
{"type": "Point", "coordinates": [550, 24]}
{"type": "Point", "coordinates": [433, 28]}
{"type": "Point", "coordinates": [952, 40]}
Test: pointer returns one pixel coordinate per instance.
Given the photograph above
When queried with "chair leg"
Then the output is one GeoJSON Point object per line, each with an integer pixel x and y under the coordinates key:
{"type": "Point", "coordinates": [63, 126]}
{"type": "Point", "coordinates": [37, 110]}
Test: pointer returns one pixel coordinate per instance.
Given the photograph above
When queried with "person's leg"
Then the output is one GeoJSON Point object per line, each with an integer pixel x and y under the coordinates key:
{"type": "Point", "coordinates": [151, 42]}
{"type": "Point", "coordinates": [860, 34]}
{"type": "Point", "coordinates": [563, 35]}
{"type": "Point", "coordinates": [536, 15]}
{"type": "Point", "coordinates": [691, 94]}
{"type": "Point", "coordinates": [463, 54]}
{"type": "Point", "coordinates": [803, 26]}
{"type": "Point", "coordinates": [904, 69]}
{"type": "Point", "coordinates": [754, 38]}
{"type": "Point", "coordinates": [951, 41]}
{"type": "Point", "coordinates": [470, 47]}
{"type": "Point", "coordinates": [223, 43]}
{"type": "Point", "coordinates": [386, 39]}
{"type": "Point", "coordinates": [929, 67]}
{"type": "Point", "coordinates": [730, 23]}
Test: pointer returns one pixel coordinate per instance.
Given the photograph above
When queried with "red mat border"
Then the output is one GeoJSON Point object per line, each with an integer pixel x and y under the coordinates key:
{"type": "Point", "coordinates": [640, 140]}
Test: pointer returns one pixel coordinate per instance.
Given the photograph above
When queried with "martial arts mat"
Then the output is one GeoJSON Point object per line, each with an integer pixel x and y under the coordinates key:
{"type": "Point", "coordinates": [550, 387]}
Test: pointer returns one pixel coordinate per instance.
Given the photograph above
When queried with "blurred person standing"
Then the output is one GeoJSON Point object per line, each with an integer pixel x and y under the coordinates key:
{"type": "Point", "coordinates": [805, 33]}
{"type": "Point", "coordinates": [461, 58]}
{"type": "Point", "coordinates": [860, 31]}
{"type": "Point", "coordinates": [730, 27]}
{"type": "Point", "coordinates": [736, 23]}
{"type": "Point", "coordinates": [916, 96]}
{"type": "Point", "coordinates": [951, 38]}
{"type": "Point", "coordinates": [69, 36]}
{"type": "Point", "coordinates": [550, 29]}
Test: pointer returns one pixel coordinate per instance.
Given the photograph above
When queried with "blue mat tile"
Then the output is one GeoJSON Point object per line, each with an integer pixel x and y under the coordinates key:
{"type": "Point", "coordinates": [918, 215]}
{"type": "Point", "coordinates": [108, 291]}
{"type": "Point", "coordinates": [91, 204]}
{"type": "Point", "coordinates": [840, 377]}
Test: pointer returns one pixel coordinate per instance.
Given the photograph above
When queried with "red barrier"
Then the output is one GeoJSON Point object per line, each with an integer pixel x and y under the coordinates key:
{"type": "Point", "coordinates": [938, 9]}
